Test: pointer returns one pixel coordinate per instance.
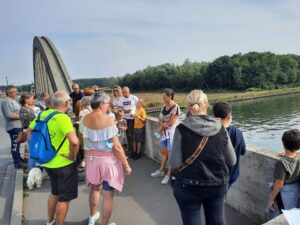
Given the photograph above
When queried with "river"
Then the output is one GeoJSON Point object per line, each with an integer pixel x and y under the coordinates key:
{"type": "Point", "coordinates": [264, 120]}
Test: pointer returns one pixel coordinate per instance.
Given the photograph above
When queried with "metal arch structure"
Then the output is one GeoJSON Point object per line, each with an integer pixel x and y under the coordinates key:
{"type": "Point", "coordinates": [50, 72]}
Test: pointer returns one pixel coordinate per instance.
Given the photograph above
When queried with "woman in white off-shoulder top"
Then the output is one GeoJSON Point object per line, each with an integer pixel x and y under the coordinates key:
{"type": "Point", "coordinates": [104, 157]}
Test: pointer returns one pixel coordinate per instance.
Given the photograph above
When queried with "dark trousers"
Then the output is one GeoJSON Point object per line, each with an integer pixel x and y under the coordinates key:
{"type": "Point", "coordinates": [15, 146]}
{"type": "Point", "coordinates": [191, 198]}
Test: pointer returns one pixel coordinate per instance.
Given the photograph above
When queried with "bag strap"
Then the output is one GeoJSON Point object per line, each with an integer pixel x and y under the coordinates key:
{"type": "Point", "coordinates": [192, 158]}
{"type": "Point", "coordinates": [50, 116]}
{"type": "Point", "coordinates": [46, 121]}
{"type": "Point", "coordinates": [61, 144]}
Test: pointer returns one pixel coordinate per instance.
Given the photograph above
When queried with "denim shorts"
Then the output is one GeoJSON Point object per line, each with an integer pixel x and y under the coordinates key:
{"type": "Point", "coordinates": [106, 186]}
{"type": "Point", "coordinates": [166, 144]}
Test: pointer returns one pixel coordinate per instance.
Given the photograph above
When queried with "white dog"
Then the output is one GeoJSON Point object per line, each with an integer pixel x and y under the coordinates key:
{"type": "Point", "coordinates": [35, 176]}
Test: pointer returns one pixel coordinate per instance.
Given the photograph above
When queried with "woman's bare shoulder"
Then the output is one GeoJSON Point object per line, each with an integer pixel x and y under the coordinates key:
{"type": "Point", "coordinates": [94, 122]}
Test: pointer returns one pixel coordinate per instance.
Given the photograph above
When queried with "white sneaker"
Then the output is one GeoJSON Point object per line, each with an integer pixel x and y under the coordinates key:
{"type": "Point", "coordinates": [165, 180]}
{"type": "Point", "coordinates": [112, 224]}
{"type": "Point", "coordinates": [51, 223]}
{"type": "Point", "coordinates": [93, 219]}
{"type": "Point", "coordinates": [157, 173]}
{"type": "Point", "coordinates": [82, 164]}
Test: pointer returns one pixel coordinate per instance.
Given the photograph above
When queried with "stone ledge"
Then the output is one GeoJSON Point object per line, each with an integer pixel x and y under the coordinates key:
{"type": "Point", "coordinates": [279, 220]}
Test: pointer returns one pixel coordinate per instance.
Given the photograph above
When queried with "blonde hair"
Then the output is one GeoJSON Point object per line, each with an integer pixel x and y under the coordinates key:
{"type": "Point", "coordinates": [119, 90]}
{"type": "Point", "coordinates": [196, 98]}
{"type": "Point", "coordinates": [142, 102]}
{"type": "Point", "coordinates": [85, 101]}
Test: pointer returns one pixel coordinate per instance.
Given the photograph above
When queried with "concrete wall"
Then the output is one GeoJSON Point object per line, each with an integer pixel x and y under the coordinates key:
{"type": "Point", "coordinates": [249, 195]}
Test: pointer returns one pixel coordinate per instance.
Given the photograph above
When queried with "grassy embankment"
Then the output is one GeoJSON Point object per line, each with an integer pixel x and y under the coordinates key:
{"type": "Point", "coordinates": [153, 99]}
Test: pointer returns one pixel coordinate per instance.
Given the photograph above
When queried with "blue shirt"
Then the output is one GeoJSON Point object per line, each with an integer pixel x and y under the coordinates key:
{"type": "Point", "coordinates": [238, 142]}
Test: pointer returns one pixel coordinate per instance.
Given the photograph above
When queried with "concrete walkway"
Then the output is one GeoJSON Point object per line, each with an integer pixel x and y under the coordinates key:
{"type": "Point", "coordinates": [7, 176]}
{"type": "Point", "coordinates": [143, 201]}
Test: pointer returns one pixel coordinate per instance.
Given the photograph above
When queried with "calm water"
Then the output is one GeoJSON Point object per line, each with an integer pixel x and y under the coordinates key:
{"type": "Point", "coordinates": [263, 121]}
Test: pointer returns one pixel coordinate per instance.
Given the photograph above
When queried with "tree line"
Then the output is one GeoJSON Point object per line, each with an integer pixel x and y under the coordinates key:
{"type": "Point", "coordinates": [239, 72]}
{"type": "Point", "coordinates": [248, 71]}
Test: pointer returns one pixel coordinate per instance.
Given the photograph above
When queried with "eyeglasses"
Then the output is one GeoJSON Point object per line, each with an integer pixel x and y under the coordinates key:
{"type": "Point", "coordinates": [115, 90]}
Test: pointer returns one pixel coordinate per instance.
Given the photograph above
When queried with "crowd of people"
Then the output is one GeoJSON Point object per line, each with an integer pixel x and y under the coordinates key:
{"type": "Point", "coordinates": [97, 134]}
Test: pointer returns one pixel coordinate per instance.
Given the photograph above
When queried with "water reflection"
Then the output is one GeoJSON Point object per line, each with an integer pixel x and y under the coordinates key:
{"type": "Point", "coordinates": [264, 120]}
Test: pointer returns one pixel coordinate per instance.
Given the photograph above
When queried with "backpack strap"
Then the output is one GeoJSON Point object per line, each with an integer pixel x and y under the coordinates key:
{"type": "Point", "coordinates": [50, 116]}
{"type": "Point", "coordinates": [46, 121]}
{"type": "Point", "coordinates": [61, 144]}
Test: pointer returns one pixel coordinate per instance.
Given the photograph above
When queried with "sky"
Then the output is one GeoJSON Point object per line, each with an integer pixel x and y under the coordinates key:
{"type": "Point", "coordinates": [115, 37]}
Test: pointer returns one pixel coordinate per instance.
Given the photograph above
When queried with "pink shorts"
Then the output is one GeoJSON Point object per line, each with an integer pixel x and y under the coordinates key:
{"type": "Point", "coordinates": [103, 166]}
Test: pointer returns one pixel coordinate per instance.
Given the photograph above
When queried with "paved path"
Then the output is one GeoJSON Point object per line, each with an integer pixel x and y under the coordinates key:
{"type": "Point", "coordinates": [7, 175]}
{"type": "Point", "coordinates": [144, 201]}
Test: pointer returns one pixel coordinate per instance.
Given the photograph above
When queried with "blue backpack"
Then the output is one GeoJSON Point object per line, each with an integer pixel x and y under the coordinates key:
{"type": "Point", "coordinates": [40, 147]}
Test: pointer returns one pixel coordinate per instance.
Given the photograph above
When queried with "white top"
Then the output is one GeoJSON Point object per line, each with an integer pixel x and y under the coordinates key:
{"type": "Point", "coordinates": [97, 139]}
{"type": "Point", "coordinates": [36, 110]}
{"type": "Point", "coordinates": [84, 112]}
{"type": "Point", "coordinates": [111, 115]}
{"type": "Point", "coordinates": [165, 116]}
{"type": "Point", "coordinates": [129, 103]}
{"type": "Point", "coordinates": [115, 102]}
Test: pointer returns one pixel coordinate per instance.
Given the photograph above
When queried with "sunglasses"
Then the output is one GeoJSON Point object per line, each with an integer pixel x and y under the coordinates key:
{"type": "Point", "coordinates": [115, 90]}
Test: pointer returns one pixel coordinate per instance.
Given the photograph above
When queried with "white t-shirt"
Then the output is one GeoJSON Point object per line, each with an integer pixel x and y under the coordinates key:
{"type": "Point", "coordinates": [36, 110]}
{"type": "Point", "coordinates": [128, 103]}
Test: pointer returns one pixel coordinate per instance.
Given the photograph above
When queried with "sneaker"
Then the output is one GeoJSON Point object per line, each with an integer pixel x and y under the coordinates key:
{"type": "Point", "coordinates": [132, 155]}
{"type": "Point", "coordinates": [82, 164]}
{"type": "Point", "coordinates": [112, 224]}
{"type": "Point", "coordinates": [165, 180]}
{"type": "Point", "coordinates": [137, 156]}
{"type": "Point", "coordinates": [157, 173]}
{"type": "Point", "coordinates": [80, 169]}
{"type": "Point", "coordinates": [93, 219]}
{"type": "Point", "coordinates": [51, 223]}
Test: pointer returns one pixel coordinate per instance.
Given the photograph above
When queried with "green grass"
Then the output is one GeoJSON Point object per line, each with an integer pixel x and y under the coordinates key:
{"type": "Point", "coordinates": [153, 99]}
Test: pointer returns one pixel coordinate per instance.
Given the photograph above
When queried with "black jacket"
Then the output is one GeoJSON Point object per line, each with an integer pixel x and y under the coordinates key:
{"type": "Point", "coordinates": [210, 168]}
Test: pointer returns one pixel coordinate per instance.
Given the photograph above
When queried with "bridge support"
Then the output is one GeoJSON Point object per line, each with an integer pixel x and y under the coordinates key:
{"type": "Point", "coordinates": [50, 73]}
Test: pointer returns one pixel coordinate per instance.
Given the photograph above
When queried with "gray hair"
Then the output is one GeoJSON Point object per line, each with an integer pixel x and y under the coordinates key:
{"type": "Point", "coordinates": [85, 101]}
{"type": "Point", "coordinates": [59, 98]}
{"type": "Point", "coordinates": [9, 88]}
{"type": "Point", "coordinates": [98, 98]}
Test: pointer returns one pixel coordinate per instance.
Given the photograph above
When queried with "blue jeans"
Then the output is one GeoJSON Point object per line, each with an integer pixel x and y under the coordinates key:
{"type": "Point", "coordinates": [191, 198]}
{"type": "Point", "coordinates": [15, 146]}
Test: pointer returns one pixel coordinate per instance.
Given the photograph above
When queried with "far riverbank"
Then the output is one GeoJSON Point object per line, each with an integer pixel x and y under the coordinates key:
{"type": "Point", "coordinates": [153, 99]}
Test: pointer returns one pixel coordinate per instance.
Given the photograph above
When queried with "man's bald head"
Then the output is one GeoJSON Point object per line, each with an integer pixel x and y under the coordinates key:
{"type": "Point", "coordinates": [126, 91]}
{"type": "Point", "coordinates": [75, 88]}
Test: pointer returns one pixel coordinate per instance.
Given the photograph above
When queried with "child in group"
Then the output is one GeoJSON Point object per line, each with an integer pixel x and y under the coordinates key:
{"type": "Point", "coordinates": [223, 110]}
{"type": "Point", "coordinates": [286, 187]}
{"type": "Point", "coordinates": [122, 127]}
{"type": "Point", "coordinates": [139, 129]}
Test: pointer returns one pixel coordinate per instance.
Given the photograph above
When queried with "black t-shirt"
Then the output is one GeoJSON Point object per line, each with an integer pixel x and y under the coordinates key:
{"type": "Point", "coordinates": [75, 97]}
